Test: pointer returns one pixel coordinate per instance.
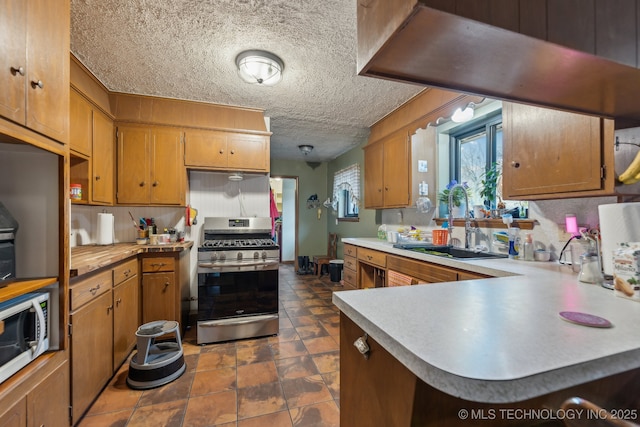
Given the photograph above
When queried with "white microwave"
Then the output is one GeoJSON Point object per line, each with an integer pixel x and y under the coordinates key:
{"type": "Point", "coordinates": [24, 331]}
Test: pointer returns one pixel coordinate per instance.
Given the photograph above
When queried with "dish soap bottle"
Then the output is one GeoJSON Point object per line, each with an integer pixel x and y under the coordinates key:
{"type": "Point", "coordinates": [527, 248]}
{"type": "Point", "coordinates": [514, 243]}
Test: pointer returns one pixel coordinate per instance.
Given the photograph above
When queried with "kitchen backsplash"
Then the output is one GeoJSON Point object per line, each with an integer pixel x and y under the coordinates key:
{"type": "Point", "coordinates": [211, 193]}
{"type": "Point", "coordinates": [549, 216]}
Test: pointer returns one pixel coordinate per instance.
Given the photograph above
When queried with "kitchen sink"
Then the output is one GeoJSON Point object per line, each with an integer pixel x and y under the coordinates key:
{"type": "Point", "coordinates": [448, 251]}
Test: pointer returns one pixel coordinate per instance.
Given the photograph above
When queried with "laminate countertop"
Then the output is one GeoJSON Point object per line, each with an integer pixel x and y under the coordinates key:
{"type": "Point", "coordinates": [88, 258]}
{"type": "Point", "coordinates": [500, 339]}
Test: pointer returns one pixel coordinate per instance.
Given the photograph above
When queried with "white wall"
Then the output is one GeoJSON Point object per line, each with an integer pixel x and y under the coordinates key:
{"type": "Point", "coordinates": [288, 219]}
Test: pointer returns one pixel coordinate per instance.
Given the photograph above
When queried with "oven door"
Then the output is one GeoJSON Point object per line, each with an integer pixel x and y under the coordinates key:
{"type": "Point", "coordinates": [225, 294]}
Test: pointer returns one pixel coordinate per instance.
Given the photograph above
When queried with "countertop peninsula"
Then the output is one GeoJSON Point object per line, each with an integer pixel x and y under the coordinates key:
{"type": "Point", "coordinates": [499, 339]}
{"type": "Point", "coordinates": [88, 258]}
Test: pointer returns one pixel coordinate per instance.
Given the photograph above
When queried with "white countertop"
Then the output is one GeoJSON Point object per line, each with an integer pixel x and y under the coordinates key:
{"type": "Point", "coordinates": [500, 339]}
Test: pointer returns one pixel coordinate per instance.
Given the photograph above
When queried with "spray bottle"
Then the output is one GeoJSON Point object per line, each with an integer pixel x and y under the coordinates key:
{"type": "Point", "coordinates": [514, 238]}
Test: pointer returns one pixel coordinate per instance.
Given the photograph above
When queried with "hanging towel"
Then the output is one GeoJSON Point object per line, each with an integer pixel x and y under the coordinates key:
{"type": "Point", "coordinates": [273, 209]}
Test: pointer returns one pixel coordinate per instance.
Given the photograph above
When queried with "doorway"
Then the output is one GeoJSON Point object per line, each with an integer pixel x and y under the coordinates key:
{"type": "Point", "coordinates": [285, 192]}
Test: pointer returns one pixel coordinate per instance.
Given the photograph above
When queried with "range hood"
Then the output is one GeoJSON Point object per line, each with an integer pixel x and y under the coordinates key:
{"type": "Point", "coordinates": [420, 44]}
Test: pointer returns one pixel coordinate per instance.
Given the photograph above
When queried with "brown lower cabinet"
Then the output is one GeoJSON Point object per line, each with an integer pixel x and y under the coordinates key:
{"type": "Point", "coordinates": [380, 392]}
{"type": "Point", "coordinates": [47, 404]}
{"type": "Point", "coordinates": [103, 321]}
{"type": "Point", "coordinates": [165, 287]}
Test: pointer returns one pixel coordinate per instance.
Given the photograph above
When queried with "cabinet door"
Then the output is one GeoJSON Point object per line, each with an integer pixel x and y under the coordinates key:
{"type": "Point", "coordinates": [378, 391]}
{"type": "Point", "coordinates": [48, 55]}
{"type": "Point", "coordinates": [373, 163]}
{"type": "Point", "coordinates": [48, 404]}
{"type": "Point", "coordinates": [80, 124]}
{"type": "Point", "coordinates": [13, 54]}
{"type": "Point", "coordinates": [133, 165]}
{"type": "Point", "coordinates": [158, 297]}
{"type": "Point", "coordinates": [548, 151]}
{"type": "Point", "coordinates": [167, 168]}
{"type": "Point", "coordinates": [248, 152]}
{"type": "Point", "coordinates": [91, 351]}
{"type": "Point", "coordinates": [103, 159]}
{"type": "Point", "coordinates": [205, 148]}
{"type": "Point", "coordinates": [15, 416]}
{"type": "Point", "coordinates": [126, 303]}
{"type": "Point", "coordinates": [397, 180]}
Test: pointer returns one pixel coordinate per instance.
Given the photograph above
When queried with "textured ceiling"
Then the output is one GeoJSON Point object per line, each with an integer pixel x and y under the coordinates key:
{"type": "Point", "coordinates": [186, 49]}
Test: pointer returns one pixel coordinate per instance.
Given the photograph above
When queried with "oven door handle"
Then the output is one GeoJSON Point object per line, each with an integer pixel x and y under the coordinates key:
{"type": "Point", "coordinates": [235, 321]}
{"type": "Point", "coordinates": [263, 265]}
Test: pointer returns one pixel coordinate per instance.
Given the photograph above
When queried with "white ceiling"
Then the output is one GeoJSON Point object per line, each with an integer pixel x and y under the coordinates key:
{"type": "Point", "coordinates": [186, 49]}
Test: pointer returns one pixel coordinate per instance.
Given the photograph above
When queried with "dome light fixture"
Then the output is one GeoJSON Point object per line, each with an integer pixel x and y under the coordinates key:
{"type": "Point", "coordinates": [259, 67]}
{"type": "Point", "coordinates": [305, 148]}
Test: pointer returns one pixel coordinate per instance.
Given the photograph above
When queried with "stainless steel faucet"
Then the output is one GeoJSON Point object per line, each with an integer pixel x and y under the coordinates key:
{"type": "Point", "coordinates": [467, 218]}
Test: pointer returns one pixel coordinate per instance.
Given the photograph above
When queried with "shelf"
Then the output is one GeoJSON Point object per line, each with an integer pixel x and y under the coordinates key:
{"type": "Point", "coordinates": [23, 286]}
{"type": "Point", "coordinates": [522, 224]}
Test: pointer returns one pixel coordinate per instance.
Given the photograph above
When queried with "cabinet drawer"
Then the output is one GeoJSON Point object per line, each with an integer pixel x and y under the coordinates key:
{"type": "Point", "coordinates": [350, 277]}
{"type": "Point", "coordinates": [350, 263]}
{"type": "Point", "coordinates": [154, 265]}
{"type": "Point", "coordinates": [90, 288]}
{"type": "Point", "coordinates": [372, 257]}
{"type": "Point", "coordinates": [124, 271]}
{"type": "Point", "coordinates": [425, 272]}
{"type": "Point", "coordinates": [350, 250]}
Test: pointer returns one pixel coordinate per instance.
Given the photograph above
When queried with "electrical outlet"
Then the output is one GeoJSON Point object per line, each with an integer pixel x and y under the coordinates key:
{"type": "Point", "coordinates": [563, 236]}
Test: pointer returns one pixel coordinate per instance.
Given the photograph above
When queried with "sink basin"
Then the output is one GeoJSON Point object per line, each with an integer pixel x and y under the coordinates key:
{"type": "Point", "coordinates": [448, 251]}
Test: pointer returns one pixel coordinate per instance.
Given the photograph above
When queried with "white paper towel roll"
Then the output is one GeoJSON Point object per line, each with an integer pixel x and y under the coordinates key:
{"type": "Point", "coordinates": [619, 222]}
{"type": "Point", "coordinates": [105, 229]}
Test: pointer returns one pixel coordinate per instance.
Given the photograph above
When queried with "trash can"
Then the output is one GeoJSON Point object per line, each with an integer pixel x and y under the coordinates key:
{"type": "Point", "coordinates": [335, 269]}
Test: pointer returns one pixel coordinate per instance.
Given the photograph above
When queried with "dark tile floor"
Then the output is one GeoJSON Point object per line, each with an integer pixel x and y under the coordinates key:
{"type": "Point", "coordinates": [291, 379]}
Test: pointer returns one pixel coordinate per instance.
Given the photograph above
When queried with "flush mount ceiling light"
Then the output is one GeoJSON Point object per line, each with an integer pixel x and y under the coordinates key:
{"type": "Point", "coordinates": [306, 149]}
{"type": "Point", "coordinates": [236, 176]}
{"type": "Point", "coordinates": [259, 67]}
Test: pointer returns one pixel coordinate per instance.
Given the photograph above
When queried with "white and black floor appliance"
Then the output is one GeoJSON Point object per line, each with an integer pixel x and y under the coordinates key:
{"type": "Point", "coordinates": [237, 280]}
{"type": "Point", "coordinates": [156, 362]}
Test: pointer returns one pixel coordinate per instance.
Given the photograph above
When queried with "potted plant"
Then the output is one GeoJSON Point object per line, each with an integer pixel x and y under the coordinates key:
{"type": "Point", "coordinates": [456, 199]}
{"type": "Point", "coordinates": [489, 185]}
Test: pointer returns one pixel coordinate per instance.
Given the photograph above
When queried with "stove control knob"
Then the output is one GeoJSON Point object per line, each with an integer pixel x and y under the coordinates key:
{"type": "Point", "coordinates": [239, 256]}
{"type": "Point", "coordinates": [214, 257]}
{"type": "Point", "coordinates": [256, 255]}
{"type": "Point", "coordinates": [264, 255]}
{"type": "Point", "coordinates": [222, 257]}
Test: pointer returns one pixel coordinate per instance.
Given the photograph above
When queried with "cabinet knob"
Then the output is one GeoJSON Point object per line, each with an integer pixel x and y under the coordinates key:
{"type": "Point", "coordinates": [110, 308]}
{"type": "Point", "coordinates": [166, 284]}
{"type": "Point", "coordinates": [155, 183]}
{"type": "Point", "coordinates": [35, 84]}
{"type": "Point", "coordinates": [233, 152]}
{"type": "Point", "coordinates": [142, 184]}
{"type": "Point", "coordinates": [97, 177]}
{"type": "Point", "coordinates": [18, 70]}
{"type": "Point", "coordinates": [362, 346]}
{"type": "Point", "coordinates": [118, 301]}
{"type": "Point", "coordinates": [515, 164]}
{"type": "Point", "coordinates": [221, 151]}
{"type": "Point", "coordinates": [386, 188]}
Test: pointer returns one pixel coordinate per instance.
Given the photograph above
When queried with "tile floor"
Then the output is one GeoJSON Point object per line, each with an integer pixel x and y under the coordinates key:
{"type": "Point", "coordinates": [291, 379]}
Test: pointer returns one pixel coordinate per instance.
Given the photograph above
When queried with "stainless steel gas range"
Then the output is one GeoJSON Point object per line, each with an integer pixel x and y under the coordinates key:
{"type": "Point", "coordinates": [237, 280]}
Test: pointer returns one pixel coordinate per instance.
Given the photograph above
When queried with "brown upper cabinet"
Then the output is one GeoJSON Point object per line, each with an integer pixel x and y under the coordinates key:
{"type": "Point", "coordinates": [556, 154]}
{"type": "Point", "coordinates": [387, 180]}
{"type": "Point", "coordinates": [150, 167]}
{"type": "Point", "coordinates": [34, 47]}
{"type": "Point", "coordinates": [575, 55]}
{"type": "Point", "coordinates": [92, 150]}
{"type": "Point", "coordinates": [217, 150]}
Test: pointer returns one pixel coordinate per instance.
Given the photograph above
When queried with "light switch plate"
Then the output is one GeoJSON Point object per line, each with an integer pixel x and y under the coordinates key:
{"type": "Point", "coordinates": [422, 165]}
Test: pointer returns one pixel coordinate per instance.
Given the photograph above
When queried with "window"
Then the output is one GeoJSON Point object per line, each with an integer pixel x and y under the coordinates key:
{"type": "Point", "coordinates": [475, 147]}
{"type": "Point", "coordinates": [346, 192]}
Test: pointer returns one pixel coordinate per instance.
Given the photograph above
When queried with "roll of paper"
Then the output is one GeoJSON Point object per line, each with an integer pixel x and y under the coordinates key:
{"type": "Point", "coordinates": [619, 222]}
{"type": "Point", "coordinates": [105, 229]}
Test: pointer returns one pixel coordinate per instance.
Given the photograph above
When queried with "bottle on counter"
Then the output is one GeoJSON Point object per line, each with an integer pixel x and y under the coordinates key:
{"type": "Point", "coordinates": [514, 243]}
{"type": "Point", "coordinates": [527, 248]}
